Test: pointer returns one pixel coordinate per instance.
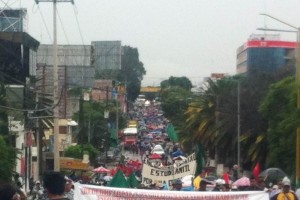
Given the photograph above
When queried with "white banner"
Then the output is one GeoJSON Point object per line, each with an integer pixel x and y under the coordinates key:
{"type": "Point", "coordinates": [159, 175]}
{"type": "Point", "coordinates": [90, 192]}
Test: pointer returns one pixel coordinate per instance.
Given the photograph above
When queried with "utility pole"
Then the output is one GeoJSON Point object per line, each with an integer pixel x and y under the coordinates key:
{"type": "Point", "coordinates": [238, 127]}
{"type": "Point", "coordinates": [55, 85]}
{"type": "Point", "coordinates": [297, 63]}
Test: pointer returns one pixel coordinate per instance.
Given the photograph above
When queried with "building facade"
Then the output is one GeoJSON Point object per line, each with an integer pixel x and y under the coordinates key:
{"type": "Point", "coordinates": [264, 53]}
{"type": "Point", "coordinates": [106, 55]}
{"type": "Point", "coordinates": [74, 70]}
{"type": "Point", "coordinates": [13, 20]}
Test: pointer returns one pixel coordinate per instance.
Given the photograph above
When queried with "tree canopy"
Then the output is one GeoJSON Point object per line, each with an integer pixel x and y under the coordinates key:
{"type": "Point", "coordinates": [132, 72]}
{"type": "Point", "coordinates": [77, 151]}
{"type": "Point", "coordinates": [182, 82]}
{"type": "Point", "coordinates": [279, 108]}
{"type": "Point", "coordinates": [8, 160]}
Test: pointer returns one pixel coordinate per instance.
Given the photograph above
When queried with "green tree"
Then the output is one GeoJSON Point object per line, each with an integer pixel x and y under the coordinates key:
{"type": "Point", "coordinates": [3, 112]}
{"type": "Point", "coordinates": [77, 151]}
{"type": "Point", "coordinates": [174, 102]}
{"type": "Point", "coordinates": [93, 124]}
{"type": "Point", "coordinates": [8, 159]}
{"type": "Point", "coordinates": [183, 82]}
{"type": "Point", "coordinates": [211, 118]}
{"type": "Point", "coordinates": [253, 124]}
{"type": "Point", "coordinates": [279, 108]}
{"type": "Point", "coordinates": [132, 72]}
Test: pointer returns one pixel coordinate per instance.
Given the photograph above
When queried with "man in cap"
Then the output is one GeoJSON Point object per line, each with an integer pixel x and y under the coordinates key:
{"type": "Point", "coordinates": [286, 192]}
{"type": "Point", "coordinates": [177, 185]}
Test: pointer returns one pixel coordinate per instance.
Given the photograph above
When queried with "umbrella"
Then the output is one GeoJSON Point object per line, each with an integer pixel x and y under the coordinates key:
{"type": "Point", "coordinates": [272, 174]}
{"type": "Point", "coordinates": [244, 181]}
{"type": "Point", "coordinates": [101, 170]}
{"type": "Point", "coordinates": [155, 156]}
{"type": "Point", "coordinates": [211, 178]}
{"type": "Point", "coordinates": [179, 158]}
{"type": "Point", "coordinates": [149, 135]}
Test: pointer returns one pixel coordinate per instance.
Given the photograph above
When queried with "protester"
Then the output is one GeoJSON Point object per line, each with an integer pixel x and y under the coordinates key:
{"type": "Point", "coordinates": [255, 185]}
{"type": "Point", "coordinates": [69, 192]}
{"type": "Point", "coordinates": [196, 182]}
{"type": "Point", "coordinates": [54, 184]}
{"type": "Point", "coordinates": [31, 185]}
{"type": "Point", "coordinates": [38, 191]}
{"type": "Point", "coordinates": [8, 191]}
{"type": "Point", "coordinates": [235, 173]}
{"type": "Point", "coordinates": [177, 185]}
{"type": "Point", "coordinates": [11, 192]}
{"type": "Point", "coordinates": [203, 184]}
{"type": "Point", "coordinates": [219, 185]}
{"type": "Point", "coordinates": [234, 188]}
{"type": "Point", "coordinates": [160, 186]}
{"type": "Point", "coordinates": [286, 192]}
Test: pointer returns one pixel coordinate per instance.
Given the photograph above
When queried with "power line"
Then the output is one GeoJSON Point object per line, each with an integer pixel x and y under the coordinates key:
{"type": "Point", "coordinates": [77, 22]}
{"type": "Point", "coordinates": [35, 110]}
{"type": "Point", "coordinates": [43, 19]}
{"type": "Point", "coordinates": [62, 26]}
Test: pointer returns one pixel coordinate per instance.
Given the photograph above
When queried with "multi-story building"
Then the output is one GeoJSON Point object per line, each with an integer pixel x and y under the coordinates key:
{"type": "Point", "coordinates": [13, 20]}
{"type": "Point", "coordinates": [74, 70]}
{"type": "Point", "coordinates": [106, 55]}
{"type": "Point", "coordinates": [264, 53]}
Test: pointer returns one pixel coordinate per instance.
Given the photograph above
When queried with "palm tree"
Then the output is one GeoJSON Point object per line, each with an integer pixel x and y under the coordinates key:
{"type": "Point", "coordinates": [212, 118]}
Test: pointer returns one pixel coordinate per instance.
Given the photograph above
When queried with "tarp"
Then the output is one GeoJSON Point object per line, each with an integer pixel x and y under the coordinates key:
{"type": "Point", "coordinates": [92, 192]}
{"type": "Point", "coordinates": [119, 180]}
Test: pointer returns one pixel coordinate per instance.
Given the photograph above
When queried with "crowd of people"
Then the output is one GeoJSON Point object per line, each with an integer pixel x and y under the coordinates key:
{"type": "Point", "coordinates": [152, 134]}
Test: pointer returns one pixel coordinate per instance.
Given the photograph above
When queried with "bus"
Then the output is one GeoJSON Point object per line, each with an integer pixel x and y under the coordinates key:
{"type": "Point", "coordinates": [130, 136]}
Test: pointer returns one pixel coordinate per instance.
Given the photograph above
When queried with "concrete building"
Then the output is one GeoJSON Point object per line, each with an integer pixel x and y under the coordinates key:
{"type": "Point", "coordinates": [74, 70]}
{"type": "Point", "coordinates": [264, 53]}
{"type": "Point", "coordinates": [13, 20]}
{"type": "Point", "coordinates": [106, 55]}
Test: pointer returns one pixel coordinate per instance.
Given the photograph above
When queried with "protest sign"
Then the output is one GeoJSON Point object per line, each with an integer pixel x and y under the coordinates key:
{"type": "Point", "coordinates": [91, 192]}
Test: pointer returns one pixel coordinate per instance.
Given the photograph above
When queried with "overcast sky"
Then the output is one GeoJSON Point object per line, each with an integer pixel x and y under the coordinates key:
{"type": "Point", "coordinates": [191, 38]}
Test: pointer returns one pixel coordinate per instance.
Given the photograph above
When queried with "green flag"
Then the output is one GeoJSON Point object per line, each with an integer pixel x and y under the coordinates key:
{"type": "Point", "coordinates": [113, 138]}
{"type": "Point", "coordinates": [119, 180]}
{"type": "Point", "coordinates": [133, 182]}
{"type": "Point", "coordinates": [172, 133]}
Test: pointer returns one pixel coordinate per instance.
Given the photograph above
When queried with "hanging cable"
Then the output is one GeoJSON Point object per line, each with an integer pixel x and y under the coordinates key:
{"type": "Point", "coordinates": [62, 26]}
{"type": "Point", "coordinates": [43, 19]}
{"type": "Point", "coordinates": [77, 22]}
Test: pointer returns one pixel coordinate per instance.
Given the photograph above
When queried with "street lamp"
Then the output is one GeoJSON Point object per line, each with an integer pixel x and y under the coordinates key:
{"type": "Point", "coordinates": [297, 30]}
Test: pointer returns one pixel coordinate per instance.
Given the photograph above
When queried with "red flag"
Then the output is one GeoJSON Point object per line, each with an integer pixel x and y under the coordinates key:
{"type": "Point", "coordinates": [226, 178]}
{"type": "Point", "coordinates": [113, 172]}
{"type": "Point", "coordinates": [256, 170]}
